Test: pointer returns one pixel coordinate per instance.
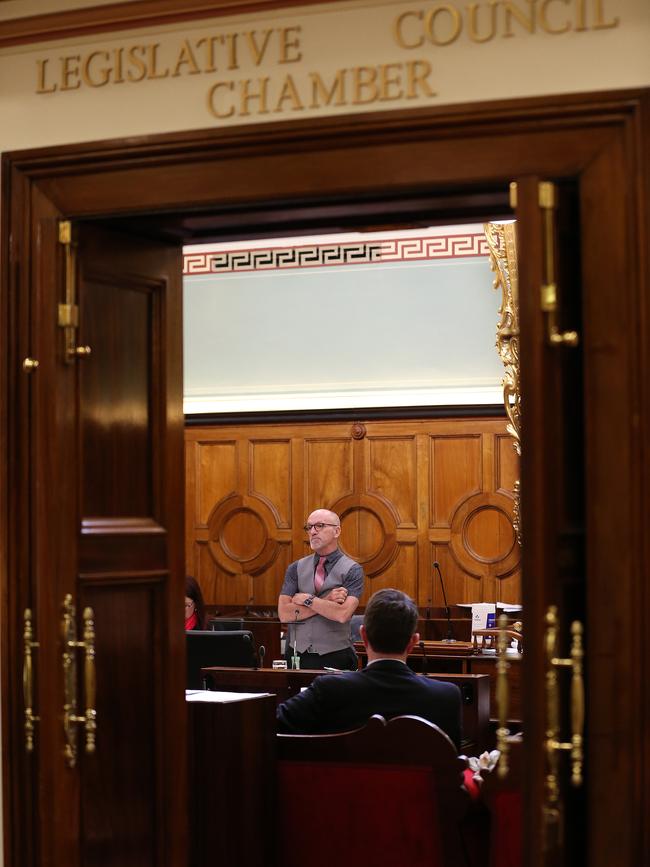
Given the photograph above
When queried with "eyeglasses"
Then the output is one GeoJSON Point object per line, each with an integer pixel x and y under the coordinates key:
{"type": "Point", "coordinates": [319, 526]}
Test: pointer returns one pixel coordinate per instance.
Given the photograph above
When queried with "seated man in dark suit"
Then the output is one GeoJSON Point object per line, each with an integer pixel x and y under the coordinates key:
{"type": "Point", "coordinates": [387, 686]}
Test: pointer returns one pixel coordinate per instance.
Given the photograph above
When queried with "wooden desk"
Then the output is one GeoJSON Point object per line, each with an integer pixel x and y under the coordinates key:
{"type": "Point", "coordinates": [475, 691]}
{"type": "Point", "coordinates": [232, 765]}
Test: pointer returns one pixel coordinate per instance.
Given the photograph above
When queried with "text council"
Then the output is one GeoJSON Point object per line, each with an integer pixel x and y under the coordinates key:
{"type": "Point", "coordinates": [443, 23]}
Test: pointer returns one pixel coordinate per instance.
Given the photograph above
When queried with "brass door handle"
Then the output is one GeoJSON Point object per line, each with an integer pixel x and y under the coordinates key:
{"type": "Point", "coordinates": [502, 697]}
{"type": "Point", "coordinates": [28, 681]}
{"type": "Point", "coordinates": [69, 660]}
{"type": "Point", "coordinates": [554, 746]}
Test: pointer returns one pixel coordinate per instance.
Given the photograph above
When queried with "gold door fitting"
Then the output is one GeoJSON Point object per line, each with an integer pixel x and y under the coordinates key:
{"type": "Point", "coordinates": [30, 364]}
{"type": "Point", "coordinates": [68, 312]}
{"type": "Point", "coordinates": [554, 745]}
{"type": "Point", "coordinates": [70, 717]}
{"type": "Point", "coordinates": [512, 194]}
{"type": "Point", "coordinates": [502, 697]}
{"type": "Point", "coordinates": [28, 680]}
{"type": "Point", "coordinates": [547, 202]}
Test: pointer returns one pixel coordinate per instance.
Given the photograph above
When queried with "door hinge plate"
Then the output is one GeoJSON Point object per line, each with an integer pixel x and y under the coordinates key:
{"type": "Point", "coordinates": [68, 316]}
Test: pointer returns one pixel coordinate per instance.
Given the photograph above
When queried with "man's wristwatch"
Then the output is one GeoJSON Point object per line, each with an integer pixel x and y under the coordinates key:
{"type": "Point", "coordinates": [308, 601]}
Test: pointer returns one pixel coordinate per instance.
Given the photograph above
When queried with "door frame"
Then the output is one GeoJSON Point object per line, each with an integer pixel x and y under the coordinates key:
{"type": "Point", "coordinates": [600, 141]}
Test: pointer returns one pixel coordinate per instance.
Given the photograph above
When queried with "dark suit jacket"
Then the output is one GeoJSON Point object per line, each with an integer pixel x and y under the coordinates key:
{"type": "Point", "coordinates": [340, 702]}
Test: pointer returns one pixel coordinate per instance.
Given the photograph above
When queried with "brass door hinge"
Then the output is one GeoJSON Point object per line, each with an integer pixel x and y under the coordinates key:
{"type": "Point", "coordinates": [547, 198]}
{"type": "Point", "coordinates": [68, 312]}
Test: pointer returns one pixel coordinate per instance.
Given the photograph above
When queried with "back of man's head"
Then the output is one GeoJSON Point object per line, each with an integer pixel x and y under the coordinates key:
{"type": "Point", "coordinates": [390, 620]}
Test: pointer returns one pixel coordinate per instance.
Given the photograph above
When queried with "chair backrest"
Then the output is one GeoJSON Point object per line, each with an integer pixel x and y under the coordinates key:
{"type": "Point", "coordinates": [355, 622]}
{"type": "Point", "coordinates": [389, 793]}
{"type": "Point", "coordinates": [226, 624]}
{"type": "Point", "coordinates": [206, 648]}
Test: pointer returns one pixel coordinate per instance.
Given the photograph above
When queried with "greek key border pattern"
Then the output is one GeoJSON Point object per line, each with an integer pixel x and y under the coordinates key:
{"type": "Point", "coordinates": [327, 255]}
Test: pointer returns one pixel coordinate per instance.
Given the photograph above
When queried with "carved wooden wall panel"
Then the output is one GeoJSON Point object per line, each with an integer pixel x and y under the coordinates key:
{"type": "Point", "coordinates": [408, 493]}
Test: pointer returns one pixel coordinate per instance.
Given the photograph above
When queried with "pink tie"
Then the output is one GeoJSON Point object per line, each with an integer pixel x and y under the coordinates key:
{"type": "Point", "coordinates": [319, 575]}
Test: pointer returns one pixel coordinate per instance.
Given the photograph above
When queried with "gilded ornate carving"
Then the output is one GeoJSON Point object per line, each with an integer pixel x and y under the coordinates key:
{"type": "Point", "coordinates": [502, 242]}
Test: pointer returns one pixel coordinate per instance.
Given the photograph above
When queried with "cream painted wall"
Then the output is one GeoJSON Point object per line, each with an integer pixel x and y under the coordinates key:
{"type": "Point", "coordinates": [411, 321]}
{"type": "Point", "coordinates": [381, 70]}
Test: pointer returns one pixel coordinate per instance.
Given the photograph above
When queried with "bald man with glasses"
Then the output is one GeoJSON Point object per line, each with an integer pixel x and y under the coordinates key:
{"type": "Point", "coordinates": [319, 595]}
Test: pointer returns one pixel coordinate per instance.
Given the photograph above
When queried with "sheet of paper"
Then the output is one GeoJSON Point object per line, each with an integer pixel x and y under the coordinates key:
{"type": "Point", "coordinates": [220, 697]}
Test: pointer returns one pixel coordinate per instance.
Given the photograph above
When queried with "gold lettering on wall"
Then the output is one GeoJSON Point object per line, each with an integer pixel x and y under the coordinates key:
{"type": "Point", "coordinates": [290, 45]}
{"type": "Point", "coordinates": [600, 23]}
{"type": "Point", "coordinates": [135, 60]}
{"type": "Point", "coordinates": [475, 19]}
{"type": "Point", "coordinates": [259, 89]}
{"type": "Point", "coordinates": [41, 87]}
{"type": "Point", "coordinates": [360, 85]}
{"type": "Point", "coordinates": [253, 92]}
{"type": "Point", "coordinates": [186, 62]}
{"type": "Point", "coordinates": [70, 72]}
{"type": "Point", "coordinates": [547, 24]}
{"type": "Point", "coordinates": [321, 96]}
{"type": "Point", "coordinates": [95, 75]}
{"type": "Point", "coordinates": [214, 100]}
{"type": "Point", "coordinates": [288, 93]}
{"type": "Point", "coordinates": [445, 28]}
{"type": "Point", "coordinates": [441, 24]}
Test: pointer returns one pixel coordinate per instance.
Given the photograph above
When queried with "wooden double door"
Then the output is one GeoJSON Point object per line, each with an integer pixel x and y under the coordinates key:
{"type": "Point", "coordinates": [91, 474]}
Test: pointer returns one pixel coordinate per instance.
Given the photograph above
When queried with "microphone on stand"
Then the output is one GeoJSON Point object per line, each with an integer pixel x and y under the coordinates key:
{"type": "Point", "coordinates": [449, 639]}
{"type": "Point", "coordinates": [261, 653]}
{"type": "Point", "coordinates": [295, 661]}
{"type": "Point", "coordinates": [424, 657]}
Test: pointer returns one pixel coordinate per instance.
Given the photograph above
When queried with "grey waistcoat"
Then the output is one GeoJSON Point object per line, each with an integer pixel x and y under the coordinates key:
{"type": "Point", "coordinates": [318, 634]}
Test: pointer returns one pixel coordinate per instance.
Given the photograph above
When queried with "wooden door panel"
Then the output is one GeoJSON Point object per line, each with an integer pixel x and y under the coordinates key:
{"type": "Point", "coordinates": [455, 467]}
{"type": "Point", "coordinates": [215, 469]}
{"type": "Point", "coordinates": [505, 466]}
{"type": "Point", "coordinates": [391, 474]}
{"type": "Point", "coordinates": [115, 391]}
{"type": "Point", "coordinates": [328, 470]}
{"type": "Point", "coordinates": [130, 544]}
{"type": "Point", "coordinates": [124, 771]}
{"type": "Point", "coordinates": [270, 462]}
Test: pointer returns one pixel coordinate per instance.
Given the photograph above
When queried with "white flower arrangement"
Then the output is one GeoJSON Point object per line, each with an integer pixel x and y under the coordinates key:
{"type": "Point", "coordinates": [485, 762]}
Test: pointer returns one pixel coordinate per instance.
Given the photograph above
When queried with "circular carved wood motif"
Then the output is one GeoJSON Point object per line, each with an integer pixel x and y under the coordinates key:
{"type": "Point", "coordinates": [483, 540]}
{"type": "Point", "coordinates": [488, 535]}
{"type": "Point", "coordinates": [368, 531]}
{"type": "Point", "coordinates": [241, 535]}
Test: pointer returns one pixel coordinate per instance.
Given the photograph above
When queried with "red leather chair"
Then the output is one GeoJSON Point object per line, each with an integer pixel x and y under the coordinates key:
{"type": "Point", "coordinates": [388, 794]}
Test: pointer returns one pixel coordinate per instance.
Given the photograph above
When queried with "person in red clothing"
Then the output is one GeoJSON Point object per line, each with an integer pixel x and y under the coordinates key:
{"type": "Point", "coordinates": [194, 605]}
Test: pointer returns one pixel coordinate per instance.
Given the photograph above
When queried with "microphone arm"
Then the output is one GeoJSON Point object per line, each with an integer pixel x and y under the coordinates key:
{"type": "Point", "coordinates": [449, 639]}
